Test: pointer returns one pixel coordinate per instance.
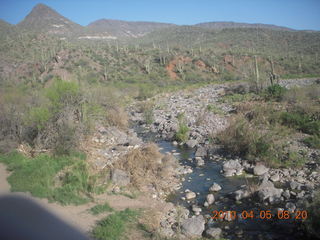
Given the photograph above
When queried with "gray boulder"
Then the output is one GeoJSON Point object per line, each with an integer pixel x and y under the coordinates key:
{"type": "Point", "coordinates": [193, 227]}
{"type": "Point", "coordinates": [120, 177]}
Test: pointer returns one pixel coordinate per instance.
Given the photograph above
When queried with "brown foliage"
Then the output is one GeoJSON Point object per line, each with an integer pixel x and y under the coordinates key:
{"type": "Point", "coordinates": [146, 165]}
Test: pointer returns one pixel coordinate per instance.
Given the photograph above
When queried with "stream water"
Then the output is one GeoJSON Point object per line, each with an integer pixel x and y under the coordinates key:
{"type": "Point", "coordinates": [202, 178]}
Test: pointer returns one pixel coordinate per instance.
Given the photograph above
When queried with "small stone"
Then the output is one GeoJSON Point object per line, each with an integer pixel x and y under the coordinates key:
{"type": "Point", "coordinates": [116, 189]}
{"type": "Point", "coordinates": [275, 178]}
{"type": "Point", "coordinates": [215, 187]}
{"type": "Point", "coordinates": [214, 233]}
{"type": "Point", "coordinates": [191, 143]}
{"type": "Point", "coordinates": [290, 207]}
{"type": "Point", "coordinates": [210, 199]}
{"type": "Point", "coordinates": [190, 195]}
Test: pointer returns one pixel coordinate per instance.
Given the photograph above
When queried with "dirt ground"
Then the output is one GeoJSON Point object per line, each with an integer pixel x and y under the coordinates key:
{"type": "Point", "coordinates": [78, 216]}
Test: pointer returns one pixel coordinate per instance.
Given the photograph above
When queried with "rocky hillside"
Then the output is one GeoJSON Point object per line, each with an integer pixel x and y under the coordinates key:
{"type": "Point", "coordinates": [119, 29]}
{"type": "Point", "coordinates": [223, 25]}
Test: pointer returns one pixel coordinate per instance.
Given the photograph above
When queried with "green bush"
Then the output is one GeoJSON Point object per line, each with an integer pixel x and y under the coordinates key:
{"type": "Point", "coordinates": [114, 226]}
{"type": "Point", "coordinates": [300, 122]}
{"type": "Point", "coordinates": [275, 92]}
{"type": "Point", "coordinates": [63, 93]}
{"type": "Point", "coordinates": [182, 135]}
{"type": "Point", "coordinates": [250, 141]}
{"type": "Point", "coordinates": [39, 116]}
{"type": "Point", "coordinates": [313, 141]}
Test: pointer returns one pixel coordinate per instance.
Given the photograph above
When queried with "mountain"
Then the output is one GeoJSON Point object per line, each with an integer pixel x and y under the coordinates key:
{"type": "Point", "coordinates": [235, 39]}
{"type": "Point", "coordinates": [118, 28]}
{"type": "Point", "coordinates": [223, 25]}
{"type": "Point", "coordinates": [6, 29]}
{"type": "Point", "coordinates": [44, 19]}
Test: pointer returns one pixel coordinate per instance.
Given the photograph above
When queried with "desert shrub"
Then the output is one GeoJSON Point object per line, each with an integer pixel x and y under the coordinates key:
{"type": "Point", "coordinates": [313, 141]}
{"type": "Point", "coordinates": [146, 165]}
{"type": "Point", "coordinates": [301, 122]}
{"type": "Point", "coordinates": [39, 117]}
{"type": "Point", "coordinates": [182, 135]}
{"type": "Point", "coordinates": [117, 116]}
{"type": "Point", "coordinates": [275, 92]}
{"type": "Point", "coordinates": [147, 108]}
{"type": "Point", "coordinates": [249, 140]}
{"type": "Point", "coordinates": [63, 94]}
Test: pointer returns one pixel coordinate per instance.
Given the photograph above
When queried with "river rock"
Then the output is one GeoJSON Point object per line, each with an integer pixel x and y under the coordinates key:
{"type": "Point", "coordinates": [267, 191]}
{"type": "Point", "coordinates": [193, 227]}
{"type": "Point", "coordinates": [120, 177]}
{"type": "Point", "coordinates": [196, 209]}
{"type": "Point", "coordinates": [214, 233]}
{"type": "Point", "coordinates": [275, 177]}
{"type": "Point", "coordinates": [295, 185]}
{"type": "Point", "coordinates": [215, 187]}
{"type": "Point", "coordinates": [210, 198]}
{"type": "Point", "coordinates": [191, 143]}
{"type": "Point", "coordinates": [260, 169]}
{"type": "Point", "coordinates": [201, 152]}
{"type": "Point", "coordinates": [290, 207]}
{"type": "Point", "coordinates": [190, 195]}
{"type": "Point", "coordinates": [241, 194]}
{"type": "Point", "coordinates": [232, 167]}
{"type": "Point", "coordinates": [286, 194]}
{"type": "Point", "coordinates": [199, 161]}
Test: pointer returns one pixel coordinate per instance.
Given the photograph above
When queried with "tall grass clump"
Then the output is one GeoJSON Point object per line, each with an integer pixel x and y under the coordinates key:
{"type": "Point", "coordinates": [115, 226]}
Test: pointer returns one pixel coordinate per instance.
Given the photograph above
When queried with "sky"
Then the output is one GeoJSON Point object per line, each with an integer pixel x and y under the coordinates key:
{"type": "Point", "coordinates": [297, 14]}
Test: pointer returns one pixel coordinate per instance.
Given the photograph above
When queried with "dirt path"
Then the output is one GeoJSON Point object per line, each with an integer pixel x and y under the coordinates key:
{"type": "Point", "coordinates": [78, 216]}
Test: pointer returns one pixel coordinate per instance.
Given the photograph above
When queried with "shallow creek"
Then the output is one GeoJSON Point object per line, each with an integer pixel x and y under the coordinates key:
{"type": "Point", "coordinates": [202, 178]}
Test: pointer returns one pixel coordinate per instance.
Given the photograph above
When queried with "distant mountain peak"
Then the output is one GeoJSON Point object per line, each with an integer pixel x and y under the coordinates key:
{"type": "Point", "coordinates": [45, 19]}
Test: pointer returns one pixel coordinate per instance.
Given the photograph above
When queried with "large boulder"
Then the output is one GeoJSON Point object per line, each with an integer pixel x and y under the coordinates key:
{"type": "Point", "coordinates": [193, 227]}
{"type": "Point", "coordinates": [120, 177]}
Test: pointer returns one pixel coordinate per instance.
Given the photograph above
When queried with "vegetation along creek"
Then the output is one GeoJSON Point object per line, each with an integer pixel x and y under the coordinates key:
{"type": "Point", "coordinates": [137, 130]}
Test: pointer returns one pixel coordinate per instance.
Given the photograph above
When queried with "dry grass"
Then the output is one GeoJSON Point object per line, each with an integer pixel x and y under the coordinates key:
{"type": "Point", "coordinates": [117, 117]}
{"type": "Point", "coordinates": [146, 165]}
